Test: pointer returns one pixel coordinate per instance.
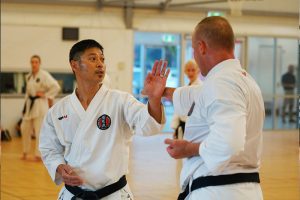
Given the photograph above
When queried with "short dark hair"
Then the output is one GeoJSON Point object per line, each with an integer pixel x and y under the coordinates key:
{"type": "Point", "coordinates": [37, 57]}
{"type": "Point", "coordinates": [78, 48]}
{"type": "Point", "coordinates": [216, 31]}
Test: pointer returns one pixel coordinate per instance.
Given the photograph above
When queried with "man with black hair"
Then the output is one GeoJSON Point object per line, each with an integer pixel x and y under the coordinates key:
{"type": "Point", "coordinates": [85, 136]}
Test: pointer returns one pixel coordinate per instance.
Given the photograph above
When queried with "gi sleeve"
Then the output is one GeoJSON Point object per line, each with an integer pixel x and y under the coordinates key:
{"type": "Point", "coordinates": [52, 86]}
{"type": "Point", "coordinates": [227, 134]}
{"type": "Point", "coordinates": [138, 118]}
{"type": "Point", "coordinates": [175, 122]}
{"type": "Point", "coordinates": [183, 98]}
{"type": "Point", "coordinates": [51, 149]}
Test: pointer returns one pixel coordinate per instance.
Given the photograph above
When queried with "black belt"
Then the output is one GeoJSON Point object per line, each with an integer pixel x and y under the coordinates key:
{"type": "Point", "coordinates": [206, 181]}
{"type": "Point", "coordinates": [32, 100]}
{"type": "Point", "coordinates": [98, 194]}
{"type": "Point", "coordinates": [182, 125]}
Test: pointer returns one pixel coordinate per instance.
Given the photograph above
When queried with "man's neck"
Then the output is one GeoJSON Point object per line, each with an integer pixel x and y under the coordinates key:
{"type": "Point", "coordinates": [218, 58]}
{"type": "Point", "coordinates": [86, 92]}
{"type": "Point", "coordinates": [192, 81]}
{"type": "Point", "coordinates": [35, 73]}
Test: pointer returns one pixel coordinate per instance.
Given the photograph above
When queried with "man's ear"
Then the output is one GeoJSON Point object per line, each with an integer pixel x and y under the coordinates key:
{"type": "Point", "coordinates": [202, 47]}
{"type": "Point", "coordinates": [74, 65]}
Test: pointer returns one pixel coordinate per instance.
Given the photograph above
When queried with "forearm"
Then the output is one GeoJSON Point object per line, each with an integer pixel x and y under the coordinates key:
{"type": "Point", "coordinates": [168, 93]}
{"type": "Point", "coordinates": [154, 109]}
{"type": "Point", "coordinates": [179, 149]}
{"type": "Point", "coordinates": [192, 149]}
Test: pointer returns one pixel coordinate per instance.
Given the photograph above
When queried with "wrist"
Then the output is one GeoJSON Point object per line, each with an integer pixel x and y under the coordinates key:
{"type": "Point", "coordinates": [193, 149]}
{"type": "Point", "coordinates": [154, 100]}
{"type": "Point", "coordinates": [168, 93]}
{"type": "Point", "coordinates": [59, 168]}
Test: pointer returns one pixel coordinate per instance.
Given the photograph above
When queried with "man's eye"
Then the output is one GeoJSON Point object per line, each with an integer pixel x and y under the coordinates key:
{"type": "Point", "coordinates": [92, 59]}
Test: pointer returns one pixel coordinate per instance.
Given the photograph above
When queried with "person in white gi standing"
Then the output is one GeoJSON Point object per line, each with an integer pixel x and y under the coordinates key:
{"type": "Point", "coordinates": [192, 71]}
{"type": "Point", "coordinates": [41, 87]}
{"type": "Point", "coordinates": [222, 143]}
{"type": "Point", "coordinates": [85, 136]}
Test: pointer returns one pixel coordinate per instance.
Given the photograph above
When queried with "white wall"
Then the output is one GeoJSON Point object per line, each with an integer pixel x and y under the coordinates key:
{"type": "Point", "coordinates": [11, 112]}
{"type": "Point", "coordinates": [36, 29]}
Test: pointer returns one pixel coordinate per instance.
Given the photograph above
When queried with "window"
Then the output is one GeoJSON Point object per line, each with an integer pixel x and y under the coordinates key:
{"type": "Point", "coordinates": [149, 47]}
{"type": "Point", "coordinates": [14, 82]}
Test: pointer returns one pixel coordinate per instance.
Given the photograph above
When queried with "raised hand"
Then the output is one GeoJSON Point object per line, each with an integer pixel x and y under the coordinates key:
{"type": "Point", "coordinates": [155, 81]}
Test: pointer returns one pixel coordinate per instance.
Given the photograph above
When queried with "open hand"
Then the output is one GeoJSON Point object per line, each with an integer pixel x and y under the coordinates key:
{"type": "Point", "coordinates": [155, 81]}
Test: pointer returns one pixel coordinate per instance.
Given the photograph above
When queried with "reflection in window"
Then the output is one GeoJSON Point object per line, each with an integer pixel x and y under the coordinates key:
{"type": "Point", "coordinates": [268, 61]}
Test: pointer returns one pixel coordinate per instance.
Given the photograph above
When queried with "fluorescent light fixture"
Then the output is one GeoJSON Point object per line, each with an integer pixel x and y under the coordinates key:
{"type": "Point", "coordinates": [215, 13]}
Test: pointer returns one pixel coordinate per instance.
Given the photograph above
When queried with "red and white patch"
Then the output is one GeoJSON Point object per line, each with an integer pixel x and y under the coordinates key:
{"type": "Point", "coordinates": [103, 122]}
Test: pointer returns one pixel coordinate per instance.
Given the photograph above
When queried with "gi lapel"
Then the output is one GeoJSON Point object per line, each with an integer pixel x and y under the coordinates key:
{"type": "Point", "coordinates": [87, 119]}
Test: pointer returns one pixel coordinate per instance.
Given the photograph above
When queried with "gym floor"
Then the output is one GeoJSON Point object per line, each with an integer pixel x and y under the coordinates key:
{"type": "Point", "coordinates": [153, 174]}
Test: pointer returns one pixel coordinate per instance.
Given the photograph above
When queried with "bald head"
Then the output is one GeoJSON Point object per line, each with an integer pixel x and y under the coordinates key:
{"type": "Point", "coordinates": [216, 31]}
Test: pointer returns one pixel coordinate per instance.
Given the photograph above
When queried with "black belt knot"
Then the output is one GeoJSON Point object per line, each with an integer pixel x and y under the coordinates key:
{"type": "Point", "coordinates": [32, 100]}
{"type": "Point", "coordinates": [98, 194]}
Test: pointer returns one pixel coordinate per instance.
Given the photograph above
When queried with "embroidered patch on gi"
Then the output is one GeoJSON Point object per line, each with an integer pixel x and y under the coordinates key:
{"type": "Point", "coordinates": [63, 117]}
{"type": "Point", "coordinates": [103, 122]}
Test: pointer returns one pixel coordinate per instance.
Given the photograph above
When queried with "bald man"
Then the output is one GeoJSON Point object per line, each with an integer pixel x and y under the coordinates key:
{"type": "Point", "coordinates": [222, 143]}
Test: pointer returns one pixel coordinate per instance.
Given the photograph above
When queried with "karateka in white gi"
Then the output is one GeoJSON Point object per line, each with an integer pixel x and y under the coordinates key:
{"type": "Point", "coordinates": [41, 87]}
{"type": "Point", "coordinates": [191, 70]}
{"type": "Point", "coordinates": [222, 143]}
{"type": "Point", "coordinates": [85, 136]}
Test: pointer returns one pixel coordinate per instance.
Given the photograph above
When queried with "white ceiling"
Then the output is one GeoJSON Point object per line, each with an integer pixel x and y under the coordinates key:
{"type": "Point", "coordinates": [288, 6]}
{"type": "Point", "coordinates": [257, 7]}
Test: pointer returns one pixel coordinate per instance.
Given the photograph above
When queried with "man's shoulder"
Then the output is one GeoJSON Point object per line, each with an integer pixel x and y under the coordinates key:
{"type": "Point", "coordinates": [45, 74]}
{"type": "Point", "coordinates": [118, 93]}
{"type": "Point", "coordinates": [285, 75]}
{"type": "Point", "coordinates": [28, 75]}
{"type": "Point", "coordinates": [120, 98]}
{"type": "Point", "coordinates": [65, 101]}
{"type": "Point", "coordinates": [226, 87]}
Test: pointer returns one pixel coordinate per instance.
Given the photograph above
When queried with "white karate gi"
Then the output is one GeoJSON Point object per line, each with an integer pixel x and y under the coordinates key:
{"type": "Point", "coordinates": [177, 118]}
{"type": "Point", "coordinates": [72, 135]}
{"type": "Point", "coordinates": [32, 119]}
{"type": "Point", "coordinates": [227, 120]}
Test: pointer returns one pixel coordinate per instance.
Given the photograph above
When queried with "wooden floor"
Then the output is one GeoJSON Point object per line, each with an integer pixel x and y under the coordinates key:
{"type": "Point", "coordinates": [153, 174]}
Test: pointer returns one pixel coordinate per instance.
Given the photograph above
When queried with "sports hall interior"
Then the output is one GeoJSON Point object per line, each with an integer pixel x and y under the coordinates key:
{"type": "Point", "coordinates": [134, 33]}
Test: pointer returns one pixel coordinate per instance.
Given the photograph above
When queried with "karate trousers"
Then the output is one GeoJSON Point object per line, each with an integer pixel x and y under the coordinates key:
{"type": "Point", "coordinates": [29, 126]}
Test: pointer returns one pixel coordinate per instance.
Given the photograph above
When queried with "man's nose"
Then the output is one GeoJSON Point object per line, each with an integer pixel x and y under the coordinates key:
{"type": "Point", "coordinates": [100, 65]}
